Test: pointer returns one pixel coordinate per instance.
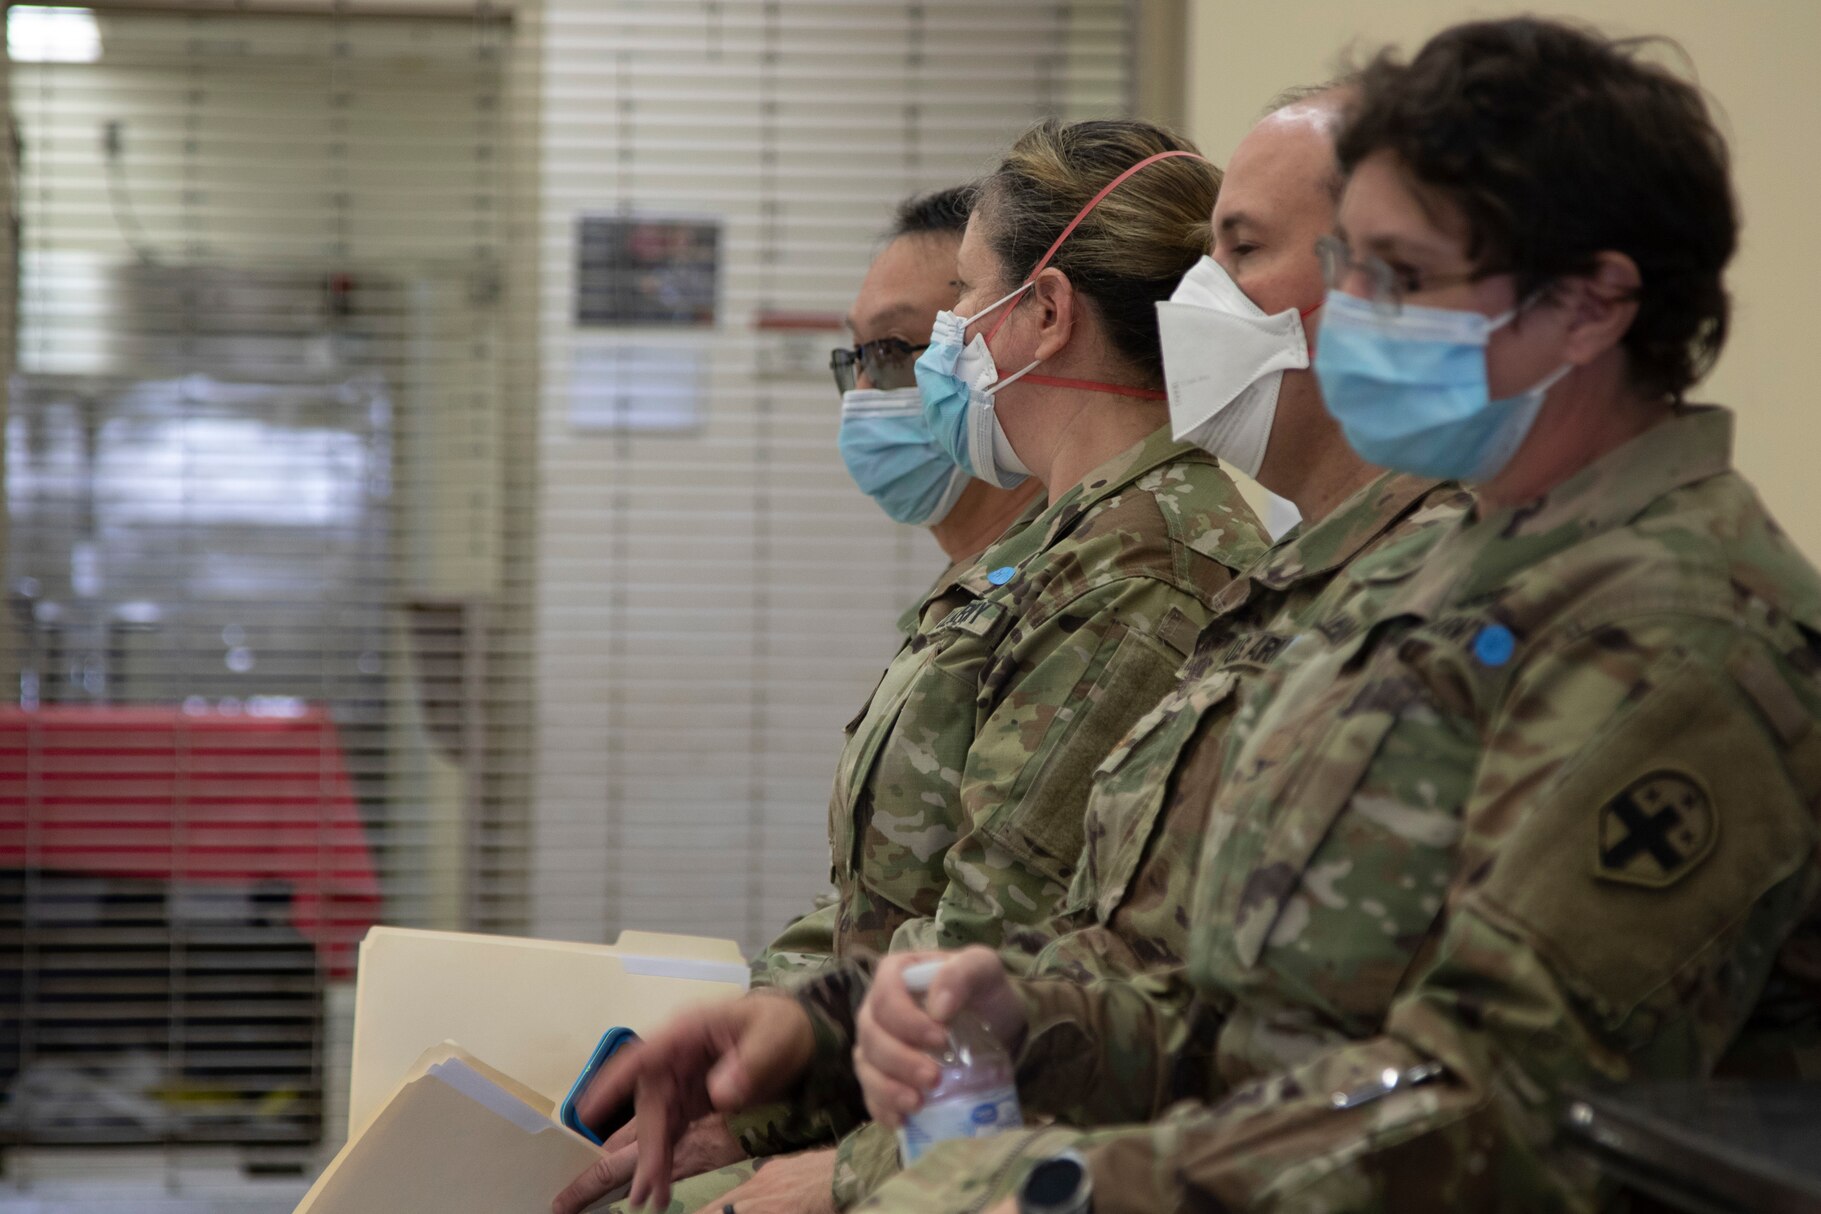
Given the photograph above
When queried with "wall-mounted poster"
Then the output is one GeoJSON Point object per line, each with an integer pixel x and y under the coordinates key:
{"type": "Point", "coordinates": [646, 270]}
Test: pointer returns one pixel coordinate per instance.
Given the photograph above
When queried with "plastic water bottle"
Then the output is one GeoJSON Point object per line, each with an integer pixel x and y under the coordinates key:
{"type": "Point", "coordinates": [976, 1096]}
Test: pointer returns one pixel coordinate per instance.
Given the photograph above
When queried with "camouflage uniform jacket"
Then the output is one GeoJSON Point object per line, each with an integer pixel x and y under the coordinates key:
{"type": "Point", "coordinates": [959, 796]}
{"type": "Point", "coordinates": [1530, 806]}
{"type": "Point", "coordinates": [1147, 812]}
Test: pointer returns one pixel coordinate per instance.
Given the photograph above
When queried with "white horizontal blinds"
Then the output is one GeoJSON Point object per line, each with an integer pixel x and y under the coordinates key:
{"type": "Point", "coordinates": [344, 586]}
{"type": "Point", "coordinates": [715, 599]}
{"type": "Point", "coordinates": [255, 523]}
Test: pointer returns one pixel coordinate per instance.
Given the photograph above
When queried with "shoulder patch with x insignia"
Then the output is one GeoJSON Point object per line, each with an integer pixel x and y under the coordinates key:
{"type": "Point", "coordinates": [1657, 831]}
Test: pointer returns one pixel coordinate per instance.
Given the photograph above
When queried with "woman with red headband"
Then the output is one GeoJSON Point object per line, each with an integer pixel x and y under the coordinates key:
{"type": "Point", "coordinates": [960, 794]}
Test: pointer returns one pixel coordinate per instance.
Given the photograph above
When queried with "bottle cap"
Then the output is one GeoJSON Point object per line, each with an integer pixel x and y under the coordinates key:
{"type": "Point", "coordinates": [918, 977]}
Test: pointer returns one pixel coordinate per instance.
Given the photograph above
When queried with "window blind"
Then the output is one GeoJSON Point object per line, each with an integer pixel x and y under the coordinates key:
{"type": "Point", "coordinates": [356, 573]}
{"type": "Point", "coordinates": [253, 478]}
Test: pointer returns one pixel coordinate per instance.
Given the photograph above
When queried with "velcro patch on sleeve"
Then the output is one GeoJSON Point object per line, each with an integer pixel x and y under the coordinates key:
{"type": "Point", "coordinates": [1654, 842]}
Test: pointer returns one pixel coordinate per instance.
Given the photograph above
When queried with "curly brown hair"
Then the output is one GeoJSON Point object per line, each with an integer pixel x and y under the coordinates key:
{"type": "Point", "coordinates": [1557, 144]}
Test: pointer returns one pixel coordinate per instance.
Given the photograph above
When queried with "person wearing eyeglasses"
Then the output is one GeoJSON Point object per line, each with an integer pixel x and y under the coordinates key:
{"type": "Point", "coordinates": [884, 440]}
{"type": "Point", "coordinates": [1236, 345]}
{"type": "Point", "coordinates": [959, 798]}
{"type": "Point", "coordinates": [891, 456]}
{"type": "Point", "coordinates": [1531, 808]}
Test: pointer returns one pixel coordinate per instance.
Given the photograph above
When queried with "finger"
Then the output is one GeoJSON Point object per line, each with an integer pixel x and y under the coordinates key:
{"type": "Point", "coordinates": [888, 1102]}
{"type": "Point", "coordinates": [969, 976]}
{"type": "Point", "coordinates": [612, 1087]}
{"type": "Point", "coordinates": [770, 1050]}
{"type": "Point", "coordinates": [898, 1012]}
{"type": "Point", "coordinates": [607, 1173]}
{"type": "Point", "coordinates": [651, 1179]}
{"type": "Point", "coordinates": [626, 1136]}
{"type": "Point", "coordinates": [901, 1063]}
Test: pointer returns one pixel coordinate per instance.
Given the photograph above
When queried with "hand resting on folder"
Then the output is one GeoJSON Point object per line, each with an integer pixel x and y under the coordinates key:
{"type": "Point", "coordinates": [705, 1146]}
{"type": "Point", "coordinates": [706, 1061]}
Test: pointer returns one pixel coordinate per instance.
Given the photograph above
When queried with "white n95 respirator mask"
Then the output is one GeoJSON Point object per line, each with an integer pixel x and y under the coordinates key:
{"type": "Point", "coordinates": [1224, 362]}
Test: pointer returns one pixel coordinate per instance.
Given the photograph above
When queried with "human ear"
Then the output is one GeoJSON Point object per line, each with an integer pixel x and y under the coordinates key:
{"type": "Point", "coordinates": [1602, 307]}
{"type": "Point", "coordinates": [1053, 303]}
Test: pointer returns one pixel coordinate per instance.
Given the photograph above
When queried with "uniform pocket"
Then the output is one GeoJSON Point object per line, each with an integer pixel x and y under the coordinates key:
{"type": "Point", "coordinates": [1338, 856]}
{"type": "Point", "coordinates": [1126, 810]}
{"type": "Point", "coordinates": [1313, 798]}
{"type": "Point", "coordinates": [867, 734]}
{"type": "Point", "coordinates": [1042, 821]}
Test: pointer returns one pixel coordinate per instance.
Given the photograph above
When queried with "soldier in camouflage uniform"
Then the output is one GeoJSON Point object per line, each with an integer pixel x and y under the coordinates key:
{"type": "Point", "coordinates": [1147, 812]}
{"type": "Point", "coordinates": [1531, 806]}
{"type": "Point", "coordinates": [959, 796]}
{"type": "Point", "coordinates": [908, 283]}
{"type": "Point", "coordinates": [1276, 199]}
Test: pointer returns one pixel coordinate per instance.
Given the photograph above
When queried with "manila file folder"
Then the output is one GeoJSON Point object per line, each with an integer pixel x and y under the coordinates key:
{"type": "Point", "coordinates": [455, 1137]}
{"type": "Point", "coordinates": [533, 1009]}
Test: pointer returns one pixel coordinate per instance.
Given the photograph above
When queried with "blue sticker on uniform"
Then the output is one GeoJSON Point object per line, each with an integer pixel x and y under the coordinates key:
{"type": "Point", "coordinates": [1494, 645]}
{"type": "Point", "coordinates": [1002, 575]}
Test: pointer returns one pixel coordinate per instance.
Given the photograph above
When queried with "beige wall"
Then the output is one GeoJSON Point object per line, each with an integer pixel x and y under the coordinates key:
{"type": "Point", "coordinates": [1756, 60]}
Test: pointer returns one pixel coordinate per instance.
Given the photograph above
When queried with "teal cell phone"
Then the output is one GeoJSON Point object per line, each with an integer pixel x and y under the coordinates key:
{"type": "Point", "coordinates": [611, 1042]}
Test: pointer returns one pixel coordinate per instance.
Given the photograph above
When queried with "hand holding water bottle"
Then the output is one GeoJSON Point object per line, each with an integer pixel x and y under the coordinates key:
{"type": "Point", "coordinates": [934, 1047]}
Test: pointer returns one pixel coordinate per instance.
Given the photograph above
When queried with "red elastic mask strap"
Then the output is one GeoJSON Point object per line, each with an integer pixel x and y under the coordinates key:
{"type": "Point", "coordinates": [1082, 214]}
{"type": "Point", "coordinates": [1304, 314]}
{"type": "Point", "coordinates": [1088, 385]}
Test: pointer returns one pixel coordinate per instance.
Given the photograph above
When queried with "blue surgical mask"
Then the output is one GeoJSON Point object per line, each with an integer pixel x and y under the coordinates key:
{"type": "Point", "coordinates": [957, 380]}
{"type": "Point", "coordinates": [889, 452]}
{"type": "Point", "coordinates": [1410, 392]}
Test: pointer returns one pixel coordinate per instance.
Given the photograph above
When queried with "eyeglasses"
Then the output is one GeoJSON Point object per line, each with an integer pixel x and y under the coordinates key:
{"type": "Point", "coordinates": [889, 363]}
{"type": "Point", "coordinates": [1388, 286]}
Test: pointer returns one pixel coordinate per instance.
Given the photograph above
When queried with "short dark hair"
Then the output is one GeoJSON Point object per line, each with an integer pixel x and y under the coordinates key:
{"type": "Point", "coordinates": [1557, 144]}
{"type": "Point", "coordinates": [938, 213]}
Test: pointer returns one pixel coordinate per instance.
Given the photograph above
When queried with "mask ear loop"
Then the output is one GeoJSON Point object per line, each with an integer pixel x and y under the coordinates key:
{"type": "Point", "coordinates": [1009, 380]}
{"type": "Point", "coordinates": [1495, 323]}
{"type": "Point", "coordinates": [1108, 188]}
{"type": "Point", "coordinates": [1302, 318]}
{"type": "Point", "coordinates": [1000, 303]}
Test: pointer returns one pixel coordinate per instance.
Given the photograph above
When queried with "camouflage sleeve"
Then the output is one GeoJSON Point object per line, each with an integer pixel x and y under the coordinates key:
{"type": "Point", "coordinates": [866, 1159]}
{"type": "Point", "coordinates": [1114, 1031]}
{"type": "Point", "coordinates": [1616, 902]}
{"type": "Point", "coordinates": [1112, 1049]}
{"type": "Point", "coordinates": [802, 950]}
{"type": "Point", "coordinates": [1076, 680]}
{"type": "Point", "coordinates": [973, 1173]}
{"type": "Point", "coordinates": [1460, 1127]}
{"type": "Point", "coordinates": [827, 1103]}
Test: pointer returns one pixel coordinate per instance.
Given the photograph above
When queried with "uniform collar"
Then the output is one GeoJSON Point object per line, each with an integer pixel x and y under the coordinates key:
{"type": "Point", "coordinates": [950, 578]}
{"type": "Point", "coordinates": [1482, 553]}
{"type": "Point", "coordinates": [1691, 446]}
{"type": "Point", "coordinates": [1042, 526]}
{"type": "Point", "coordinates": [1346, 531]}
{"type": "Point", "coordinates": [1115, 475]}
{"type": "Point", "coordinates": [1022, 540]}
